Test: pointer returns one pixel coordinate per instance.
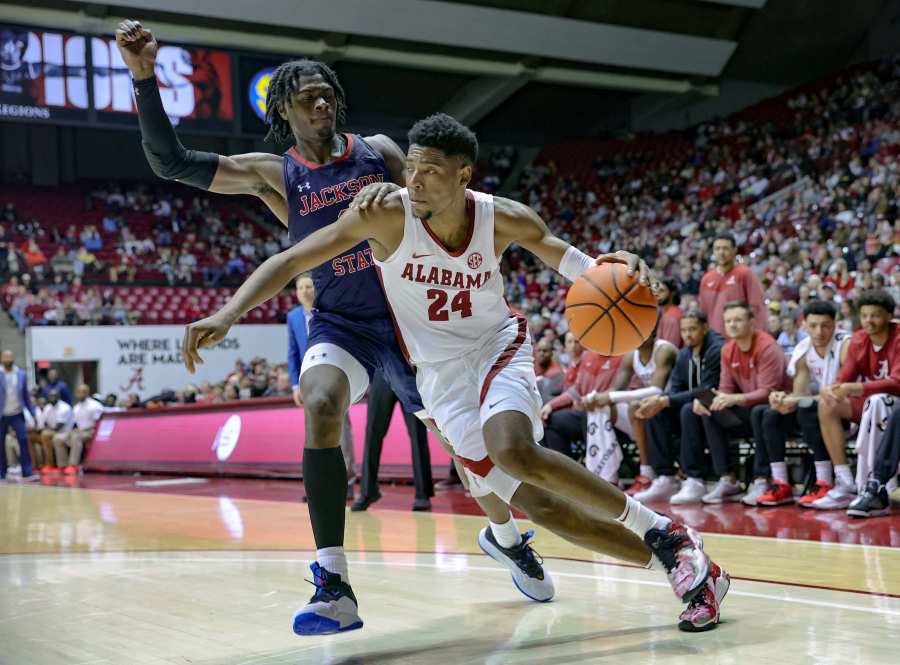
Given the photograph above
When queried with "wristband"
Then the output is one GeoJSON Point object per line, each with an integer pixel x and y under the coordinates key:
{"type": "Point", "coordinates": [574, 263]}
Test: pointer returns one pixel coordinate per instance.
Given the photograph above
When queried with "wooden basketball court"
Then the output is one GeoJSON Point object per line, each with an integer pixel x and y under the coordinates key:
{"type": "Point", "coordinates": [96, 577]}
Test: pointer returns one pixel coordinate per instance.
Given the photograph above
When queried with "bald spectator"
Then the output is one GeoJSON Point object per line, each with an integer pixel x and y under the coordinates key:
{"type": "Point", "coordinates": [729, 282]}
{"type": "Point", "coordinates": [549, 372]}
{"type": "Point", "coordinates": [58, 422]}
{"type": "Point", "coordinates": [69, 447]}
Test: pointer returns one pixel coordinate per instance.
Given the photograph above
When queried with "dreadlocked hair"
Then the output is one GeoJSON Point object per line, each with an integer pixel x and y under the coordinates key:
{"type": "Point", "coordinates": [285, 82]}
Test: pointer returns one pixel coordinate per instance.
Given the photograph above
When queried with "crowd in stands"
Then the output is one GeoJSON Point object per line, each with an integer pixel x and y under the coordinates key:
{"type": "Point", "coordinates": [806, 182]}
{"type": "Point", "coordinates": [124, 253]}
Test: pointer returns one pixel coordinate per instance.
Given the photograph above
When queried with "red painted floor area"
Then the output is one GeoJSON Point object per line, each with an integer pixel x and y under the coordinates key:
{"type": "Point", "coordinates": [788, 522]}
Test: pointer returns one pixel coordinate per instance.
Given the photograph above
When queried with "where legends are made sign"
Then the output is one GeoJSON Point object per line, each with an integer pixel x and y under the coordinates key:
{"type": "Point", "coordinates": [147, 359]}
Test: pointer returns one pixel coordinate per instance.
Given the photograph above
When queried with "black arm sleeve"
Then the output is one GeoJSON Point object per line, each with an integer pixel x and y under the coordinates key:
{"type": "Point", "coordinates": [167, 157]}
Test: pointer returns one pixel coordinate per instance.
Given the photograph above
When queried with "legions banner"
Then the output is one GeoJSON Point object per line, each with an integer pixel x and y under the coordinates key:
{"type": "Point", "coordinates": [43, 75]}
{"type": "Point", "coordinates": [147, 359]}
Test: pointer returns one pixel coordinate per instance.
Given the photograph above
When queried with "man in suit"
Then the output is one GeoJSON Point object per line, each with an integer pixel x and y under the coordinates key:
{"type": "Point", "coordinates": [381, 401]}
{"type": "Point", "coordinates": [298, 320]}
{"type": "Point", "coordinates": [14, 401]}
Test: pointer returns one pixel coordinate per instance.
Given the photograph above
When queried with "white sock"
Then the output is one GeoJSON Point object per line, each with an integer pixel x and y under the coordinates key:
{"type": "Point", "coordinates": [639, 519]}
{"type": "Point", "coordinates": [507, 534]}
{"type": "Point", "coordinates": [334, 560]}
{"type": "Point", "coordinates": [844, 477]}
{"type": "Point", "coordinates": [779, 471]}
{"type": "Point", "coordinates": [824, 471]}
{"type": "Point", "coordinates": [647, 471]}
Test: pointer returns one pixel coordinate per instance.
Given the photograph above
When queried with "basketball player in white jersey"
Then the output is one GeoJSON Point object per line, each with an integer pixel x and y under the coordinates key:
{"type": "Point", "coordinates": [651, 364]}
{"type": "Point", "coordinates": [814, 363]}
{"type": "Point", "coordinates": [438, 246]}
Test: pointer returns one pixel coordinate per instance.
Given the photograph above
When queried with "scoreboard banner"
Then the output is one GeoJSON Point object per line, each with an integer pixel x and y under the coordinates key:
{"type": "Point", "coordinates": [194, 82]}
{"type": "Point", "coordinates": [62, 77]}
{"type": "Point", "coordinates": [43, 75]}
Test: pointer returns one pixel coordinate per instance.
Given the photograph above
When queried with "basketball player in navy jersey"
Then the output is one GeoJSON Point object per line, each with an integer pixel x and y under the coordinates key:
{"type": "Point", "coordinates": [351, 333]}
{"type": "Point", "coordinates": [438, 246]}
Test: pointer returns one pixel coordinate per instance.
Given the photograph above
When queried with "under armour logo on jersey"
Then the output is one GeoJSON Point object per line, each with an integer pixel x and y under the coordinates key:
{"type": "Point", "coordinates": [305, 186]}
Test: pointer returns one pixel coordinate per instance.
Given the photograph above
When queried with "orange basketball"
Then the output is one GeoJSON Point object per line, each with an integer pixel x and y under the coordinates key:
{"type": "Point", "coordinates": [609, 312]}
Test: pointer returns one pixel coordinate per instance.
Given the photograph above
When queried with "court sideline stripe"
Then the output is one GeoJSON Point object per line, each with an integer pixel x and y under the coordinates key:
{"type": "Point", "coordinates": [51, 556]}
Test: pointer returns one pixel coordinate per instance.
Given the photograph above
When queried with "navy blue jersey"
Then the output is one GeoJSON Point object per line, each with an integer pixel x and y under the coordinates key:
{"type": "Point", "coordinates": [317, 194]}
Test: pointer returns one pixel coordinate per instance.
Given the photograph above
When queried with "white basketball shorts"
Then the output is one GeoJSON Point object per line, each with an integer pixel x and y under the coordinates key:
{"type": "Point", "coordinates": [461, 394]}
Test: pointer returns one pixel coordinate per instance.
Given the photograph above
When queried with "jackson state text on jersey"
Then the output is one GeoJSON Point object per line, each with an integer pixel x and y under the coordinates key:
{"type": "Point", "coordinates": [317, 195]}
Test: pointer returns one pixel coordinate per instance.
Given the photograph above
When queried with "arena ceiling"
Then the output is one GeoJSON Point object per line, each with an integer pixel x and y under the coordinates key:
{"type": "Point", "coordinates": [523, 70]}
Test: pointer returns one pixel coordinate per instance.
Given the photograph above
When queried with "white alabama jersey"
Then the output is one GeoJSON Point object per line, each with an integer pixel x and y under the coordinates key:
{"type": "Point", "coordinates": [643, 372]}
{"type": "Point", "coordinates": [445, 302]}
{"type": "Point", "coordinates": [822, 371]}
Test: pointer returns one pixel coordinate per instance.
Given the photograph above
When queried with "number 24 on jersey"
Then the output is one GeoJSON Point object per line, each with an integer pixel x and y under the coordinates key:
{"type": "Point", "coordinates": [437, 310]}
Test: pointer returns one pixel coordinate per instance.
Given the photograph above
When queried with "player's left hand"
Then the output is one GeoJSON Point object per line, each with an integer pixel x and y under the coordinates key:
{"type": "Point", "coordinates": [203, 334]}
{"type": "Point", "coordinates": [723, 401]}
{"type": "Point", "coordinates": [634, 263]}
{"type": "Point", "coordinates": [372, 195]}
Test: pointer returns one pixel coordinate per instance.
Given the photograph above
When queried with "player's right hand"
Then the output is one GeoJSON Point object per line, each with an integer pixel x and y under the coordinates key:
{"type": "Point", "coordinates": [298, 396]}
{"type": "Point", "coordinates": [372, 195]}
{"type": "Point", "coordinates": [202, 335]}
{"type": "Point", "coordinates": [634, 263]}
{"type": "Point", "coordinates": [138, 47]}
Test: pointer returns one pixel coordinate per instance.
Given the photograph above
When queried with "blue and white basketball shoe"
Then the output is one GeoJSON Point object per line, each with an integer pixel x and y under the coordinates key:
{"type": "Point", "coordinates": [332, 609]}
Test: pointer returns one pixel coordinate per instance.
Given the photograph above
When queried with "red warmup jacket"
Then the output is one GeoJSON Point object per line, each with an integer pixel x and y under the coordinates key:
{"type": "Point", "coordinates": [738, 284]}
{"type": "Point", "coordinates": [878, 370]}
{"type": "Point", "coordinates": [670, 326]}
{"type": "Point", "coordinates": [754, 373]}
{"type": "Point", "coordinates": [592, 372]}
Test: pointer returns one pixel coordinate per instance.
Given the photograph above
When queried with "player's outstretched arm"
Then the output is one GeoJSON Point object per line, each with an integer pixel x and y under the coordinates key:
{"type": "Point", "coordinates": [258, 174]}
{"type": "Point", "coordinates": [277, 271]}
{"type": "Point", "coordinates": [517, 223]}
